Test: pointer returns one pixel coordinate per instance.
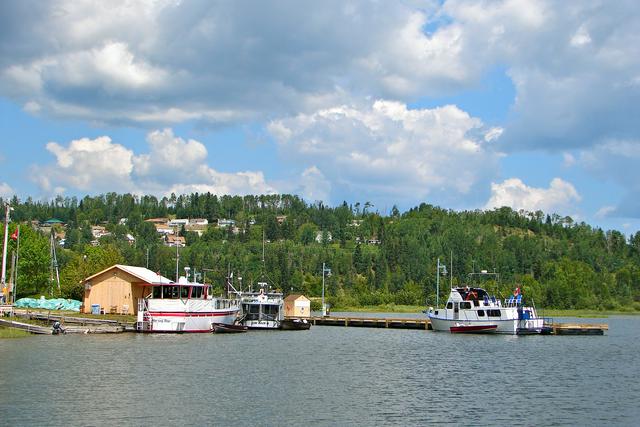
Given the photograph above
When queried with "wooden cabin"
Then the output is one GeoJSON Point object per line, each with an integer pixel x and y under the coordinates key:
{"type": "Point", "coordinates": [116, 289]}
{"type": "Point", "coordinates": [296, 305]}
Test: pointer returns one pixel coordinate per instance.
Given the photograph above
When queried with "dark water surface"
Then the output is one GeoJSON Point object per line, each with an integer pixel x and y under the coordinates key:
{"type": "Point", "coordinates": [324, 376]}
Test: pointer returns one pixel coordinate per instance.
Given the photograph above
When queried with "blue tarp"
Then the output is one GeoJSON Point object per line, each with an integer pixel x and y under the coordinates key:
{"type": "Point", "coordinates": [49, 304]}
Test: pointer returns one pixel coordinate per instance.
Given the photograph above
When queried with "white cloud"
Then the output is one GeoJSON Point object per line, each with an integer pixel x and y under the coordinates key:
{"type": "Point", "coordinates": [558, 198]}
{"type": "Point", "coordinates": [574, 65]}
{"type": "Point", "coordinates": [6, 191]}
{"type": "Point", "coordinates": [88, 165]}
{"type": "Point", "coordinates": [386, 150]}
{"type": "Point", "coordinates": [605, 211]}
{"type": "Point", "coordinates": [171, 165]}
{"type": "Point", "coordinates": [314, 185]}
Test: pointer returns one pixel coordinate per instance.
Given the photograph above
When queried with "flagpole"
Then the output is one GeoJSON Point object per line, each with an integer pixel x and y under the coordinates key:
{"type": "Point", "coordinates": [15, 280]}
{"type": "Point", "coordinates": [3, 279]}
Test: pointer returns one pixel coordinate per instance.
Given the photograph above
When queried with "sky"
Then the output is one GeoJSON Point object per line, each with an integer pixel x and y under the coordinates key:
{"type": "Point", "coordinates": [460, 104]}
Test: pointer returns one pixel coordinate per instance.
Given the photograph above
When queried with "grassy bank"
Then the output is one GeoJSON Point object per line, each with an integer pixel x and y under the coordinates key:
{"type": "Point", "coordinates": [586, 313]}
{"type": "Point", "coordinates": [12, 333]}
{"type": "Point", "coordinates": [384, 308]}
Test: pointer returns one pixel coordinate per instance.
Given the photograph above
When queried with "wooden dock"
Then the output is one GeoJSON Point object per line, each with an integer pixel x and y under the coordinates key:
{"type": "Point", "coordinates": [424, 324]}
{"type": "Point", "coordinates": [372, 322]}
{"type": "Point", "coordinates": [578, 328]}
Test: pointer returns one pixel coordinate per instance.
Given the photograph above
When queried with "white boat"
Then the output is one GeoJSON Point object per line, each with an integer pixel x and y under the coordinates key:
{"type": "Point", "coordinates": [263, 309]}
{"type": "Point", "coordinates": [183, 307]}
{"type": "Point", "coordinates": [474, 310]}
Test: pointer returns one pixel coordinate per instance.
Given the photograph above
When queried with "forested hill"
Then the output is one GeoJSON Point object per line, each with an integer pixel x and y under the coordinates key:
{"type": "Point", "coordinates": [374, 259]}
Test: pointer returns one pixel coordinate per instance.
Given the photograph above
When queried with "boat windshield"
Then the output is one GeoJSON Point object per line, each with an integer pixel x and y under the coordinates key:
{"type": "Point", "coordinates": [178, 292]}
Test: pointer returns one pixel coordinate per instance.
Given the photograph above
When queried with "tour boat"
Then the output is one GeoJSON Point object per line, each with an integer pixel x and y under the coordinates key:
{"type": "Point", "coordinates": [263, 309]}
{"type": "Point", "coordinates": [472, 309]}
{"type": "Point", "coordinates": [183, 307]}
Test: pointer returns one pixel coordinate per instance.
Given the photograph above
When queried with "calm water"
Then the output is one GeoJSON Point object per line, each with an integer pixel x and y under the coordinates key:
{"type": "Point", "coordinates": [324, 376]}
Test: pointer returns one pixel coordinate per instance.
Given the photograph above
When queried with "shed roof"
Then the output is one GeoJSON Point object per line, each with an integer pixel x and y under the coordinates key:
{"type": "Point", "coordinates": [141, 273]}
{"type": "Point", "coordinates": [295, 297]}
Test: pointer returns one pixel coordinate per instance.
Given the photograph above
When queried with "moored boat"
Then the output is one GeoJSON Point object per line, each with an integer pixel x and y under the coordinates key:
{"type": "Point", "coordinates": [183, 307]}
{"type": "Point", "coordinates": [295, 324]}
{"type": "Point", "coordinates": [472, 309]}
{"type": "Point", "coordinates": [263, 309]}
{"type": "Point", "coordinates": [221, 328]}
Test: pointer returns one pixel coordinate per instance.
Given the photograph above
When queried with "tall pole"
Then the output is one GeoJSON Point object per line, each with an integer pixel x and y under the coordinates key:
{"type": "Point", "coordinates": [177, 259]}
{"type": "Point", "coordinates": [438, 284]}
{"type": "Point", "coordinates": [15, 279]}
{"type": "Point", "coordinates": [324, 309]}
{"type": "Point", "coordinates": [4, 250]}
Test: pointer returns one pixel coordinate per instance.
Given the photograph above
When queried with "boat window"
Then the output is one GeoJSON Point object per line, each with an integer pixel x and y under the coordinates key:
{"type": "Point", "coordinates": [449, 305]}
{"type": "Point", "coordinates": [493, 313]}
{"type": "Point", "coordinates": [157, 292]}
{"type": "Point", "coordinates": [170, 292]}
{"type": "Point", "coordinates": [184, 292]}
{"type": "Point", "coordinates": [480, 313]}
{"type": "Point", "coordinates": [196, 292]}
{"type": "Point", "coordinates": [217, 304]}
{"type": "Point", "coordinates": [465, 304]}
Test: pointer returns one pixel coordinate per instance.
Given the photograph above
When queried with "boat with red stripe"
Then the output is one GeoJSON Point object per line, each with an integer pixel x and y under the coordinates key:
{"type": "Point", "coordinates": [183, 307]}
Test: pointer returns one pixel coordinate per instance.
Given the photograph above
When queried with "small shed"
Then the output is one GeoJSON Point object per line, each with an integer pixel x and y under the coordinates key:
{"type": "Point", "coordinates": [117, 289]}
{"type": "Point", "coordinates": [296, 305]}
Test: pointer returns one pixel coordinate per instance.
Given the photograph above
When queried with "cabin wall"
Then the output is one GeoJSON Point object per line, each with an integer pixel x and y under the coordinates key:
{"type": "Point", "coordinates": [115, 291]}
{"type": "Point", "coordinates": [300, 307]}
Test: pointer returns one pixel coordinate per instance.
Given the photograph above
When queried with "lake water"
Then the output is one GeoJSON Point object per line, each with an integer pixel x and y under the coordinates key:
{"type": "Point", "coordinates": [324, 376]}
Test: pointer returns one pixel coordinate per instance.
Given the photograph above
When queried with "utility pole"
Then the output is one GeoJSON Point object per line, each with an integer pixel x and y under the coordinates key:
{"type": "Point", "coordinates": [328, 272]}
{"type": "Point", "coordinates": [439, 268]}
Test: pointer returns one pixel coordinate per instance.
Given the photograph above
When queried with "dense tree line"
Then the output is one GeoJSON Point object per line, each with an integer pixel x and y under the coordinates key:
{"type": "Point", "coordinates": [374, 259]}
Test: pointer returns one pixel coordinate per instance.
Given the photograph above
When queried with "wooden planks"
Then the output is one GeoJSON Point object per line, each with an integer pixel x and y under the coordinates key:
{"type": "Point", "coordinates": [372, 322]}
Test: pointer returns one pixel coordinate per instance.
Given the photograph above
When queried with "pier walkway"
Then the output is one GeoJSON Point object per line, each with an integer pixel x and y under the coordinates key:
{"type": "Point", "coordinates": [372, 322]}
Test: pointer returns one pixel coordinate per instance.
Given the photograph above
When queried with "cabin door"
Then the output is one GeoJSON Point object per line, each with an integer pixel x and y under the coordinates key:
{"type": "Point", "coordinates": [456, 311]}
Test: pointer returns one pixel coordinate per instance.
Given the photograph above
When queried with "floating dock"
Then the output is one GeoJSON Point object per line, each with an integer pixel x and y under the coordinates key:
{"type": "Point", "coordinates": [578, 328]}
{"type": "Point", "coordinates": [425, 324]}
{"type": "Point", "coordinates": [372, 322]}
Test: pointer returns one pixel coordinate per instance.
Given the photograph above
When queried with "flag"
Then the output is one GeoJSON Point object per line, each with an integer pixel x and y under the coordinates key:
{"type": "Point", "coordinates": [15, 234]}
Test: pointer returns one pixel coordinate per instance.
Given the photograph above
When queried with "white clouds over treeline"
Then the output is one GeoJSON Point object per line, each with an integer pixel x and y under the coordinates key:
{"type": "Point", "coordinates": [310, 72]}
{"type": "Point", "coordinates": [172, 165]}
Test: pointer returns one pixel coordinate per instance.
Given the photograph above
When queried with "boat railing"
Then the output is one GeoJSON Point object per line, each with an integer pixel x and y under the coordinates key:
{"type": "Point", "coordinates": [142, 305]}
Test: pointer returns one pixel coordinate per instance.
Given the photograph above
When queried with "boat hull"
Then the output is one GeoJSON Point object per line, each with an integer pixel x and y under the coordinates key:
{"type": "Point", "coordinates": [502, 326]}
{"type": "Point", "coordinates": [473, 329]}
{"type": "Point", "coordinates": [188, 322]}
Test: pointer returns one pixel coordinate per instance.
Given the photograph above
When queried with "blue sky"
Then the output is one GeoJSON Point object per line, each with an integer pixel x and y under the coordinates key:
{"type": "Point", "coordinates": [462, 104]}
